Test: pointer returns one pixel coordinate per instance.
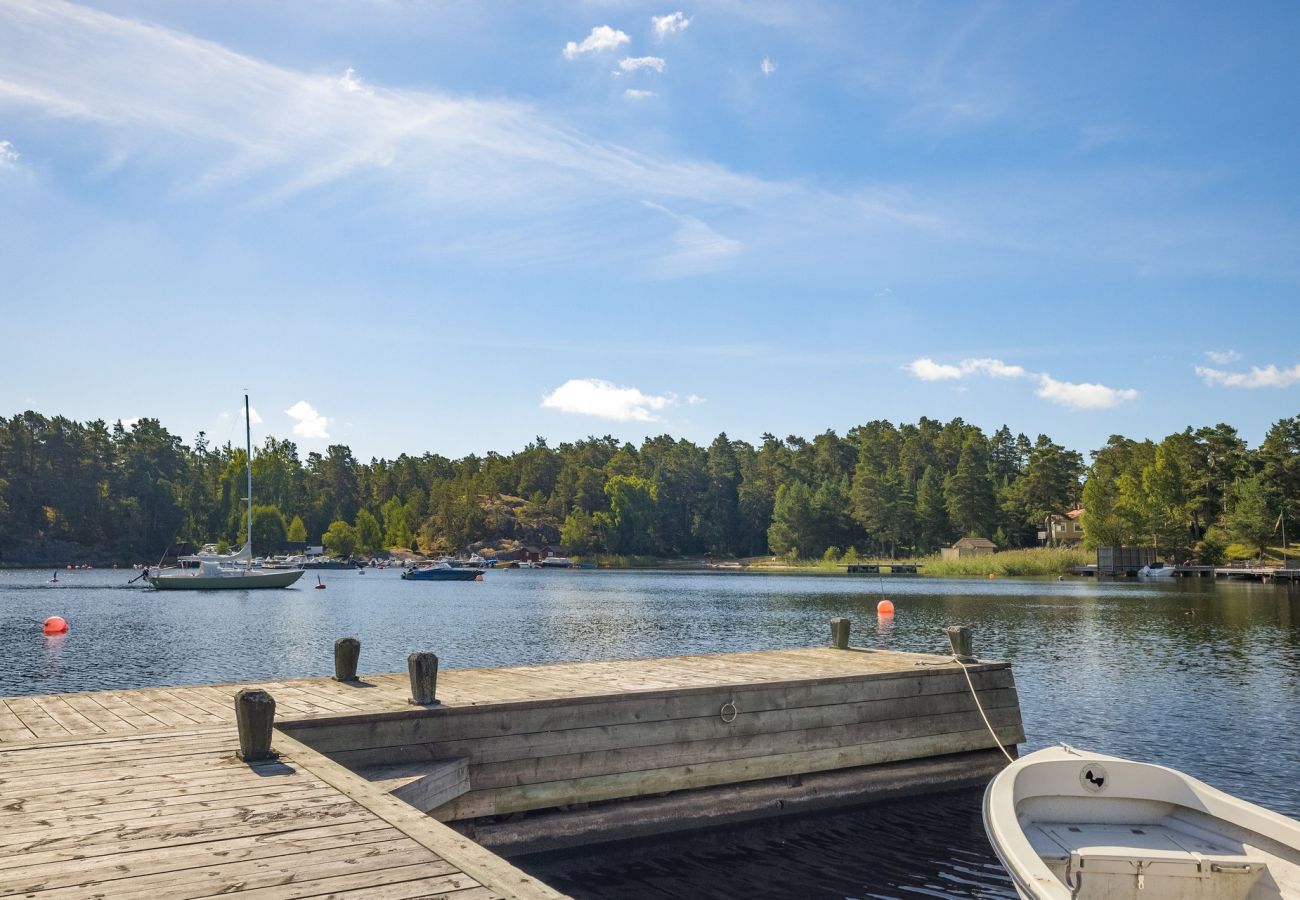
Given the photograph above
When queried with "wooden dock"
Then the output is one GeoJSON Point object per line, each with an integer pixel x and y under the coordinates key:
{"type": "Point", "coordinates": [1267, 574]}
{"type": "Point", "coordinates": [140, 792]}
{"type": "Point", "coordinates": [882, 568]}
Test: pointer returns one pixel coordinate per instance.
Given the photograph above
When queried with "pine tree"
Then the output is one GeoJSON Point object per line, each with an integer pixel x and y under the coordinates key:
{"type": "Point", "coordinates": [969, 491]}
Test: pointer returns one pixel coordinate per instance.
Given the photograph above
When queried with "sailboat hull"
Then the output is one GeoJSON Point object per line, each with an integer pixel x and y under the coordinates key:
{"type": "Point", "coordinates": [279, 578]}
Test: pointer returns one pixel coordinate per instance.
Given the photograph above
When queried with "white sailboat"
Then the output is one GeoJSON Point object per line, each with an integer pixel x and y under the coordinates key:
{"type": "Point", "coordinates": [225, 572]}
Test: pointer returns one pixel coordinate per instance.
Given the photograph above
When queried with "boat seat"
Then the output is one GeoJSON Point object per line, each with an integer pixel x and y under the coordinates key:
{"type": "Point", "coordinates": [1132, 860]}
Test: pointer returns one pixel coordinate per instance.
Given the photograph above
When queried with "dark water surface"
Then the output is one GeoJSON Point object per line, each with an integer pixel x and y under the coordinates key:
{"type": "Point", "coordinates": [1200, 676]}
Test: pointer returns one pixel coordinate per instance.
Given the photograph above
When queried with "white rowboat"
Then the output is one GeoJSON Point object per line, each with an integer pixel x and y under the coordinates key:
{"type": "Point", "coordinates": [1072, 825]}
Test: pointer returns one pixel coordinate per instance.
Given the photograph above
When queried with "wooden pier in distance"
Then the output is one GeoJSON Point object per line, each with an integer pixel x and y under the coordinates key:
{"type": "Point", "coordinates": [142, 792]}
{"type": "Point", "coordinates": [882, 568]}
{"type": "Point", "coordinates": [1242, 573]}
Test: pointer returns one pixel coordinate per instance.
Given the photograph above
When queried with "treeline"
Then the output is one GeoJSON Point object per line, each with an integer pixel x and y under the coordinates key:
{"type": "Point", "coordinates": [881, 489]}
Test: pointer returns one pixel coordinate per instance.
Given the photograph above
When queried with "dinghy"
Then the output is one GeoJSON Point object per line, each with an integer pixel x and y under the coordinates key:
{"type": "Point", "coordinates": [1073, 825]}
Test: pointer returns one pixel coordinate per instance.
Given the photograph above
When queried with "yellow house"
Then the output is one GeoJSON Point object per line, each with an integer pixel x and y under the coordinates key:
{"type": "Point", "coordinates": [1065, 528]}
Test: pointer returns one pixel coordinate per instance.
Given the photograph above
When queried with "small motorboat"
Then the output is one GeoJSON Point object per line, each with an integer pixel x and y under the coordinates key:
{"type": "Point", "coordinates": [441, 571]}
{"type": "Point", "coordinates": [1072, 825]}
{"type": "Point", "coordinates": [1156, 570]}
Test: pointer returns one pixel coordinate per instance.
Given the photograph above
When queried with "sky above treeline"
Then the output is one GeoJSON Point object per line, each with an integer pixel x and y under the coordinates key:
{"type": "Point", "coordinates": [411, 225]}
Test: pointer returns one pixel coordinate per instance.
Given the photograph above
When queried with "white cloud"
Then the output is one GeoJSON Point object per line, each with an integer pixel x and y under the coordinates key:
{"type": "Point", "coordinates": [253, 417]}
{"type": "Point", "coordinates": [8, 155]}
{"type": "Point", "coordinates": [767, 67]}
{"type": "Point", "coordinates": [128, 424]}
{"type": "Point", "coordinates": [1222, 357]}
{"type": "Point", "coordinates": [695, 399]}
{"type": "Point", "coordinates": [211, 123]}
{"type": "Point", "coordinates": [634, 94]}
{"type": "Point", "coordinates": [1082, 396]}
{"type": "Point", "coordinates": [352, 83]}
{"type": "Point", "coordinates": [632, 63]}
{"type": "Point", "coordinates": [606, 400]}
{"type": "Point", "coordinates": [602, 37]}
{"type": "Point", "coordinates": [669, 24]}
{"type": "Point", "coordinates": [1065, 393]}
{"type": "Point", "coordinates": [1268, 376]}
{"type": "Point", "coordinates": [309, 423]}
{"type": "Point", "coordinates": [927, 369]}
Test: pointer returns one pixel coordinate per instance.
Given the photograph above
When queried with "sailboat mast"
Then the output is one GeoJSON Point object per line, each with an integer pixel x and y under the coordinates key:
{"type": "Point", "coordinates": [248, 444]}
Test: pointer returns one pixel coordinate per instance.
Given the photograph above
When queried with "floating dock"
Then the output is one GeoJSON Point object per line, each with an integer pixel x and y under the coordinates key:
{"type": "Point", "coordinates": [144, 792]}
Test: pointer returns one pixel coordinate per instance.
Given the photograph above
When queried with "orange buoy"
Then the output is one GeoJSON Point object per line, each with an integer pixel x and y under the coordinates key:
{"type": "Point", "coordinates": [478, 577]}
{"type": "Point", "coordinates": [885, 608]}
{"type": "Point", "coordinates": [55, 625]}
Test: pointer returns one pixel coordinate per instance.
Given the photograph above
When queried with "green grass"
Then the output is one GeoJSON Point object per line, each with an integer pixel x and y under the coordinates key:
{"type": "Point", "coordinates": [1011, 563]}
{"type": "Point", "coordinates": [1007, 563]}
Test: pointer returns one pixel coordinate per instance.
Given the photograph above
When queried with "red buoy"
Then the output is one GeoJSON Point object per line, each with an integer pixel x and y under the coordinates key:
{"type": "Point", "coordinates": [55, 625]}
{"type": "Point", "coordinates": [885, 608]}
{"type": "Point", "coordinates": [320, 585]}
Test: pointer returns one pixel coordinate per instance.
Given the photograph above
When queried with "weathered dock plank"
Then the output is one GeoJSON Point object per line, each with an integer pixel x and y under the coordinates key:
{"type": "Point", "coordinates": [140, 793]}
{"type": "Point", "coordinates": [175, 814]}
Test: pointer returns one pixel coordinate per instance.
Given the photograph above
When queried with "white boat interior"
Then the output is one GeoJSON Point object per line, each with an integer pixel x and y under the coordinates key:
{"type": "Point", "coordinates": [1071, 825]}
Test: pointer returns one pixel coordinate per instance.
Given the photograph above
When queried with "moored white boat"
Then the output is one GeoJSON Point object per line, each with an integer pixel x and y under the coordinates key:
{"type": "Point", "coordinates": [1072, 825]}
{"type": "Point", "coordinates": [1156, 570]}
{"type": "Point", "coordinates": [209, 571]}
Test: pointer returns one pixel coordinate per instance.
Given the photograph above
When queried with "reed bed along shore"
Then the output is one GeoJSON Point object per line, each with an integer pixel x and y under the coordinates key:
{"type": "Point", "coordinates": [1039, 561]}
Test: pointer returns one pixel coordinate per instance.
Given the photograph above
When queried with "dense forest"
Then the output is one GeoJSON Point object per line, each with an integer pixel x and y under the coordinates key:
{"type": "Point", "coordinates": [114, 493]}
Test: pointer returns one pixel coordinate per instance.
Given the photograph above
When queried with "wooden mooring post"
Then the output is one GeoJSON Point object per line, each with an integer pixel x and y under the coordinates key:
{"type": "Point", "coordinates": [423, 668]}
{"type": "Point", "coordinates": [963, 647]}
{"type": "Point", "coordinates": [840, 627]}
{"type": "Point", "coordinates": [347, 653]}
{"type": "Point", "coordinates": [254, 715]}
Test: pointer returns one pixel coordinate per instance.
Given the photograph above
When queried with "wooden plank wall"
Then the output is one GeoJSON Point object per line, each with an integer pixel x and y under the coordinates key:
{"type": "Point", "coordinates": [539, 754]}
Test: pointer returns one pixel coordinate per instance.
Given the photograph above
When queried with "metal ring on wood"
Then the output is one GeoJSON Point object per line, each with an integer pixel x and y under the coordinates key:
{"type": "Point", "coordinates": [729, 712]}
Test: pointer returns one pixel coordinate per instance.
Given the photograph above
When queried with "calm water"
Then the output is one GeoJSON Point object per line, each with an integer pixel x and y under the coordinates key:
{"type": "Point", "coordinates": [1199, 676]}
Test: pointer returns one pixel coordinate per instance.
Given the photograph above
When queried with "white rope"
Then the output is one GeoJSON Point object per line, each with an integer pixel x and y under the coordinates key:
{"type": "Point", "coordinates": [976, 697]}
{"type": "Point", "coordinates": [980, 706]}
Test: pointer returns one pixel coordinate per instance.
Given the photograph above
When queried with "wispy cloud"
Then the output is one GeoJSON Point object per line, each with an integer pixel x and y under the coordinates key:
{"type": "Point", "coordinates": [670, 24]}
{"type": "Point", "coordinates": [632, 63]}
{"type": "Point", "coordinates": [636, 94]}
{"type": "Point", "coordinates": [1269, 376]}
{"type": "Point", "coordinates": [697, 247]}
{"type": "Point", "coordinates": [8, 155]}
{"type": "Point", "coordinates": [767, 67]}
{"type": "Point", "coordinates": [602, 37]}
{"type": "Point", "coordinates": [1063, 393]}
{"type": "Point", "coordinates": [927, 369]}
{"type": "Point", "coordinates": [308, 423]}
{"type": "Point", "coordinates": [351, 83]}
{"type": "Point", "coordinates": [1083, 395]}
{"type": "Point", "coordinates": [210, 122]}
{"type": "Point", "coordinates": [606, 400]}
{"type": "Point", "coordinates": [1222, 357]}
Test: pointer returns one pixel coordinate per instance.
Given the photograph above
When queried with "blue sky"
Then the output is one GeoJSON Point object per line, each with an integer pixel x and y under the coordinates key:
{"type": "Point", "coordinates": [425, 226]}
